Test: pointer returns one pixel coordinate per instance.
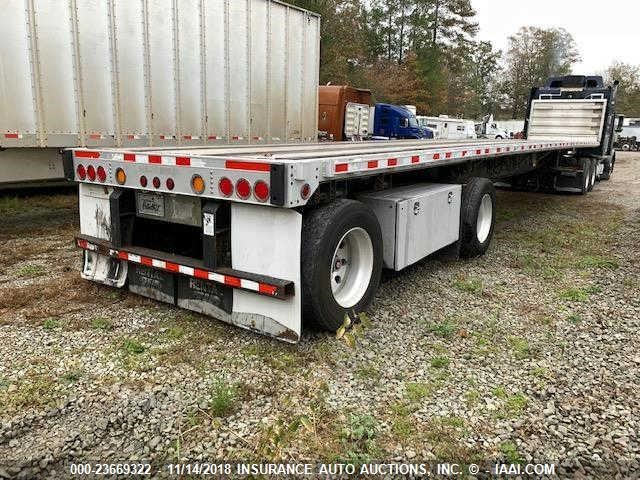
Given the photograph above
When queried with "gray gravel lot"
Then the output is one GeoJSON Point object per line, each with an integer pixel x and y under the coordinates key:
{"type": "Point", "coordinates": [527, 354]}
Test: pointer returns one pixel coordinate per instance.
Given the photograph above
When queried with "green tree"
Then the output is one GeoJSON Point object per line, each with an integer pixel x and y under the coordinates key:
{"type": "Point", "coordinates": [535, 54]}
{"type": "Point", "coordinates": [628, 98]}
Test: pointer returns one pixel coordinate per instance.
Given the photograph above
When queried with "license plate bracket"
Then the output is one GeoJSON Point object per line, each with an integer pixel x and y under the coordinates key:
{"type": "Point", "coordinates": [150, 204]}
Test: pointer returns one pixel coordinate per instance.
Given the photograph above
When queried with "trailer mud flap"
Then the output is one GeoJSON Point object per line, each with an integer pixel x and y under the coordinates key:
{"type": "Point", "coordinates": [205, 297]}
{"type": "Point", "coordinates": [152, 283]}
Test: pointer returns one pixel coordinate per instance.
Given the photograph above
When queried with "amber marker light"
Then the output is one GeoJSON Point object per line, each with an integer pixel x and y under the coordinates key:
{"type": "Point", "coordinates": [197, 184]}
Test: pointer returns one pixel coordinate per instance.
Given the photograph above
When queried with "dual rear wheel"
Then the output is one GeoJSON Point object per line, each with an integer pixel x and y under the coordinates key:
{"type": "Point", "coordinates": [342, 251]}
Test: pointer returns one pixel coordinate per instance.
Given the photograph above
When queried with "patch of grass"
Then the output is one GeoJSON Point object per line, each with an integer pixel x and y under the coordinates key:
{"type": "Point", "coordinates": [574, 318]}
{"type": "Point", "coordinates": [515, 405]}
{"type": "Point", "coordinates": [368, 372]}
{"type": "Point", "coordinates": [521, 347]}
{"type": "Point", "coordinates": [471, 397]}
{"type": "Point", "coordinates": [444, 329]}
{"type": "Point", "coordinates": [174, 333]}
{"type": "Point", "coordinates": [499, 392]}
{"type": "Point", "coordinates": [440, 362]}
{"type": "Point", "coordinates": [224, 397]}
{"type": "Point", "coordinates": [30, 271]}
{"type": "Point", "coordinates": [469, 285]}
{"type": "Point", "coordinates": [101, 323]}
{"type": "Point", "coordinates": [539, 372]}
{"type": "Point", "coordinates": [32, 391]}
{"type": "Point", "coordinates": [10, 204]}
{"type": "Point", "coordinates": [51, 323]}
{"type": "Point", "coordinates": [71, 376]}
{"type": "Point", "coordinates": [510, 452]}
{"type": "Point", "coordinates": [132, 346]}
{"type": "Point", "coordinates": [401, 423]}
{"type": "Point", "coordinates": [590, 261]}
{"type": "Point", "coordinates": [417, 391]}
{"type": "Point", "coordinates": [575, 294]}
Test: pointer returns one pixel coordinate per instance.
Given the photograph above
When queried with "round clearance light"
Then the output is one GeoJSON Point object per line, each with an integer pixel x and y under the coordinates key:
{"type": "Point", "coordinates": [121, 177]}
{"type": "Point", "coordinates": [102, 175]}
{"type": "Point", "coordinates": [225, 186]}
{"type": "Point", "coordinates": [143, 181]}
{"type": "Point", "coordinates": [243, 188]}
{"type": "Point", "coordinates": [81, 172]}
{"type": "Point", "coordinates": [170, 184]}
{"type": "Point", "coordinates": [156, 182]}
{"type": "Point", "coordinates": [261, 190]}
{"type": "Point", "coordinates": [91, 173]}
{"type": "Point", "coordinates": [305, 191]}
{"type": "Point", "coordinates": [197, 184]}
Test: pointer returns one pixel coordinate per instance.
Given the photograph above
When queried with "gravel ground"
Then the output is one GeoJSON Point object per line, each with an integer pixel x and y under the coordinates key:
{"type": "Point", "coordinates": [527, 354]}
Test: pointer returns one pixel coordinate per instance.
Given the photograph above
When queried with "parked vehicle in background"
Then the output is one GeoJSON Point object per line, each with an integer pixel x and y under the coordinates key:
{"type": "Point", "coordinates": [163, 73]}
{"type": "Point", "coordinates": [343, 112]}
{"type": "Point", "coordinates": [411, 108]}
{"type": "Point", "coordinates": [488, 128]}
{"type": "Point", "coordinates": [396, 122]}
{"type": "Point", "coordinates": [628, 134]}
{"type": "Point", "coordinates": [261, 236]}
{"type": "Point", "coordinates": [445, 127]}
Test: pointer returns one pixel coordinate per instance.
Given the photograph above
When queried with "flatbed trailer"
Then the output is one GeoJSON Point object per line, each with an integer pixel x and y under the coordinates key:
{"type": "Point", "coordinates": [264, 236]}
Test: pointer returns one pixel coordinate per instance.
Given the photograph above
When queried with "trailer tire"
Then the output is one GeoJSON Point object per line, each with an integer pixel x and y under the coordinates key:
{"type": "Point", "coordinates": [327, 298]}
{"type": "Point", "coordinates": [584, 178]}
{"type": "Point", "coordinates": [608, 167]}
{"type": "Point", "coordinates": [477, 217]}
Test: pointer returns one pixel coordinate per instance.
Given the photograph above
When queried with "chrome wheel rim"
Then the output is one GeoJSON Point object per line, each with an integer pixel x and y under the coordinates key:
{"type": "Point", "coordinates": [351, 267]}
{"type": "Point", "coordinates": [485, 216]}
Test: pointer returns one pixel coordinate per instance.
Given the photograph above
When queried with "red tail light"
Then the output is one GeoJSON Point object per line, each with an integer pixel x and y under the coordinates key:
{"type": "Point", "coordinates": [170, 184]}
{"type": "Point", "coordinates": [225, 186]}
{"type": "Point", "coordinates": [102, 175]}
{"type": "Point", "coordinates": [143, 181]}
{"type": "Point", "coordinates": [82, 172]}
{"type": "Point", "coordinates": [243, 188]}
{"type": "Point", "coordinates": [305, 191]}
{"type": "Point", "coordinates": [156, 182]}
{"type": "Point", "coordinates": [91, 173]}
{"type": "Point", "coordinates": [261, 190]}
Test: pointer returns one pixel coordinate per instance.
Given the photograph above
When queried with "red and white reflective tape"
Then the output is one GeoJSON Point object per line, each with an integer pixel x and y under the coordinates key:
{"type": "Point", "coordinates": [214, 137]}
{"type": "Point", "coordinates": [190, 137]}
{"type": "Point", "coordinates": [167, 137]}
{"type": "Point", "coordinates": [237, 137]}
{"type": "Point", "coordinates": [358, 164]}
{"type": "Point", "coordinates": [133, 137]}
{"type": "Point", "coordinates": [143, 158]}
{"type": "Point", "coordinates": [14, 136]}
{"type": "Point", "coordinates": [97, 136]}
{"type": "Point", "coordinates": [228, 280]}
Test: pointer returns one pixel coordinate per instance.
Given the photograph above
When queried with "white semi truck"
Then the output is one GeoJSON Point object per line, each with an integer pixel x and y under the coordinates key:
{"type": "Point", "coordinates": [107, 73]}
{"type": "Point", "coordinates": [266, 236]}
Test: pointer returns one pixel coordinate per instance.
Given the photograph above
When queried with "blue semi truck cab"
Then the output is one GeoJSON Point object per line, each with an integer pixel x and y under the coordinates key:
{"type": "Point", "coordinates": [396, 121]}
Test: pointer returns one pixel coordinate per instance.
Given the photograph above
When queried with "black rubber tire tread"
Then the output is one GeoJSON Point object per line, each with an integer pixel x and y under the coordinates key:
{"type": "Point", "coordinates": [472, 194]}
{"type": "Point", "coordinates": [322, 228]}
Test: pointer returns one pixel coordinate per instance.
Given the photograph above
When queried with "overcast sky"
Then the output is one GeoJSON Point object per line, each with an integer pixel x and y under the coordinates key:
{"type": "Point", "coordinates": [604, 31]}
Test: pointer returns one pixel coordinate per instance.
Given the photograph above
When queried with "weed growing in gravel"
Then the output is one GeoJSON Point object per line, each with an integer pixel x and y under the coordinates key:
{"type": "Point", "coordinates": [401, 423]}
{"type": "Point", "coordinates": [101, 323]}
{"type": "Point", "coordinates": [471, 285]}
{"type": "Point", "coordinates": [510, 452]}
{"type": "Point", "coordinates": [359, 438]}
{"type": "Point", "coordinates": [575, 294]}
{"type": "Point", "coordinates": [277, 436]}
{"type": "Point", "coordinates": [574, 318]}
{"type": "Point", "coordinates": [445, 329]}
{"type": "Point", "coordinates": [417, 391]}
{"type": "Point", "coordinates": [589, 261]}
{"type": "Point", "coordinates": [31, 271]}
{"type": "Point", "coordinates": [368, 372]}
{"type": "Point", "coordinates": [31, 391]}
{"type": "Point", "coordinates": [514, 406]}
{"type": "Point", "coordinates": [440, 362]}
{"type": "Point", "coordinates": [499, 392]}
{"type": "Point", "coordinates": [223, 398]}
{"type": "Point", "coordinates": [132, 346]}
{"type": "Point", "coordinates": [471, 397]}
{"type": "Point", "coordinates": [521, 347]}
{"type": "Point", "coordinates": [71, 376]}
{"type": "Point", "coordinates": [539, 372]}
{"type": "Point", "coordinates": [51, 323]}
{"type": "Point", "coordinates": [174, 333]}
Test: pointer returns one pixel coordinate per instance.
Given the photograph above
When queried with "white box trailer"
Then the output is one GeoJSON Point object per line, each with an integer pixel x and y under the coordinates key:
{"type": "Point", "coordinates": [116, 73]}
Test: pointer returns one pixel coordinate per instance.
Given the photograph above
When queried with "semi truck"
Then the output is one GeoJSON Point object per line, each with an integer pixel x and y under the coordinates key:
{"type": "Point", "coordinates": [111, 73]}
{"type": "Point", "coordinates": [396, 122]}
{"type": "Point", "coordinates": [271, 237]}
{"type": "Point", "coordinates": [343, 112]}
{"type": "Point", "coordinates": [446, 127]}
